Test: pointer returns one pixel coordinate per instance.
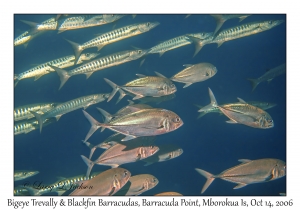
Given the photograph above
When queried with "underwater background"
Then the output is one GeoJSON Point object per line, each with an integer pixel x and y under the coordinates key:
{"type": "Point", "coordinates": [208, 143]}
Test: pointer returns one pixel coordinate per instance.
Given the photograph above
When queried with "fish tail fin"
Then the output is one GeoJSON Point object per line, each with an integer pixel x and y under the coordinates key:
{"type": "Point", "coordinates": [254, 83]}
{"type": "Point", "coordinates": [89, 163]}
{"type": "Point", "coordinates": [107, 116]}
{"type": "Point", "coordinates": [39, 119]}
{"type": "Point", "coordinates": [198, 44]}
{"type": "Point", "coordinates": [220, 21]}
{"type": "Point", "coordinates": [116, 88]}
{"type": "Point", "coordinates": [16, 80]}
{"type": "Point", "coordinates": [213, 102]}
{"type": "Point", "coordinates": [210, 178]}
{"type": "Point", "coordinates": [63, 75]}
{"type": "Point", "coordinates": [94, 125]}
{"type": "Point", "coordinates": [33, 191]}
{"type": "Point", "coordinates": [33, 25]}
{"type": "Point", "coordinates": [92, 147]}
{"type": "Point", "coordinates": [77, 49]}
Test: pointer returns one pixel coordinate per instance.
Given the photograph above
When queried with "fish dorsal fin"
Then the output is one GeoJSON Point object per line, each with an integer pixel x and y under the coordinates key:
{"type": "Point", "coordinates": [244, 160]}
{"type": "Point", "coordinates": [140, 75]}
{"type": "Point", "coordinates": [159, 74]}
{"type": "Point", "coordinates": [88, 74]}
{"type": "Point", "coordinates": [187, 65]}
{"type": "Point", "coordinates": [187, 84]}
{"type": "Point", "coordinates": [241, 100]}
{"type": "Point", "coordinates": [37, 77]}
{"type": "Point", "coordinates": [240, 185]}
{"type": "Point", "coordinates": [58, 117]}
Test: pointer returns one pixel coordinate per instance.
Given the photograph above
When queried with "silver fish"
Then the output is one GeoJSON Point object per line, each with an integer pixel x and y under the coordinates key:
{"type": "Point", "coordinates": [195, 73]}
{"type": "Point", "coordinates": [66, 107]}
{"type": "Point", "coordinates": [220, 19]}
{"type": "Point", "coordinates": [248, 172]}
{"type": "Point", "coordinates": [27, 126]}
{"type": "Point", "coordinates": [24, 174]}
{"type": "Point", "coordinates": [45, 68]}
{"type": "Point", "coordinates": [138, 184]}
{"type": "Point", "coordinates": [154, 86]}
{"type": "Point", "coordinates": [113, 36]}
{"type": "Point", "coordinates": [99, 64]}
{"type": "Point", "coordinates": [260, 104]}
{"type": "Point", "coordinates": [242, 113]}
{"type": "Point", "coordinates": [121, 154]}
{"type": "Point", "coordinates": [23, 112]}
{"type": "Point", "coordinates": [60, 186]}
{"type": "Point", "coordinates": [168, 194]}
{"type": "Point", "coordinates": [269, 75]}
{"type": "Point", "coordinates": [166, 152]}
{"type": "Point", "coordinates": [145, 122]}
{"type": "Point", "coordinates": [106, 183]}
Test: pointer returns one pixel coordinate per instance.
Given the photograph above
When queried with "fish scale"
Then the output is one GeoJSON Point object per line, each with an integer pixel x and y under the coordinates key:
{"type": "Point", "coordinates": [170, 44]}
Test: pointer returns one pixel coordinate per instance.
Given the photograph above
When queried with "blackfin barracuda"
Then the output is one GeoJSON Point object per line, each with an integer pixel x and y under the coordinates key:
{"type": "Point", "coordinates": [269, 75]}
{"type": "Point", "coordinates": [60, 186]}
{"type": "Point", "coordinates": [248, 172]}
{"type": "Point", "coordinates": [23, 112]}
{"type": "Point", "coordinates": [235, 33]}
{"type": "Point", "coordinates": [45, 68]}
{"type": "Point", "coordinates": [99, 64]}
{"type": "Point", "coordinates": [25, 37]}
{"type": "Point", "coordinates": [63, 108]}
{"type": "Point", "coordinates": [114, 36]}
{"type": "Point", "coordinates": [23, 174]}
{"type": "Point", "coordinates": [220, 19]}
{"type": "Point", "coordinates": [73, 22]}
{"type": "Point", "coordinates": [29, 125]}
{"type": "Point", "coordinates": [176, 43]}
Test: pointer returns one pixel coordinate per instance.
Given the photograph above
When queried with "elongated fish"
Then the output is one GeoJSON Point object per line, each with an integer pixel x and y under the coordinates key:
{"type": "Point", "coordinates": [166, 152]}
{"type": "Point", "coordinates": [248, 172]}
{"type": "Point", "coordinates": [60, 186]}
{"type": "Point", "coordinates": [27, 126]}
{"type": "Point", "coordinates": [242, 113]}
{"type": "Point", "coordinates": [235, 33]}
{"type": "Point", "coordinates": [260, 104]}
{"type": "Point", "coordinates": [114, 36]}
{"type": "Point", "coordinates": [154, 86]}
{"type": "Point", "coordinates": [23, 112]}
{"type": "Point", "coordinates": [145, 122]}
{"type": "Point", "coordinates": [23, 174]}
{"type": "Point", "coordinates": [106, 183]}
{"type": "Point", "coordinates": [21, 191]}
{"type": "Point", "coordinates": [66, 107]}
{"type": "Point", "coordinates": [45, 68]}
{"type": "Point", "coordinates": [138, 184]}
{"type": "Point", "coordinates": [121, 154]}
{"type": "Point", "coordinates": [195, 73]}
{"type": "Point", "coordinates": [29, 35]}
{"type": "Point", "coordinates": [269, 75]}
{"type": "Point", "coordinates": [220, 19]}
{"type": "Point", "coordinates": [73, 22]}
{"type": "Point", "coordinates": [99, 64]}
{"type": "Point", "coordinates": [176, 42]}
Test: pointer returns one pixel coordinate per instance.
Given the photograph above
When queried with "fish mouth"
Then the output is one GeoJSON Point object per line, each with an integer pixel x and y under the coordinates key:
{"type": "Point", "coordinates": [154, 24]}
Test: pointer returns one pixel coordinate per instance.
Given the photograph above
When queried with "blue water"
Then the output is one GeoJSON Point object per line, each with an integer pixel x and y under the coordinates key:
{"type": "Point", "coordinates": [209, 143]}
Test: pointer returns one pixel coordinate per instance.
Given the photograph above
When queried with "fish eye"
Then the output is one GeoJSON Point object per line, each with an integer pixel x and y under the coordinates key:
{"type": "Point", "coordinates": [125, 173]}
{"type": "Point", "coordinates": [270, 22]}
{"type": "Point", "coordinates": [24, 173]}
{"type": "Point", "coordinates": [154, 180]}
{"type": "Point", "coordinates": [151, 147]}
{"type": "Point", "coordinates": [177, 119]}
{"type": "Point", "coordinates": [88, 54]}
{"type": "Point", "coordinates": [139, 51]}
{"type": "Point", "coordinates": [148, 24]}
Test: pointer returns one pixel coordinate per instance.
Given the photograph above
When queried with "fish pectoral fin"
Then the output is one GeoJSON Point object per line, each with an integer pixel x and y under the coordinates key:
{"type": "Point", "coordinates": [138, 157]}
{"type": "Point", "coordinates": [220, 43]}
{"type": "Point", "coordinates": [128, 138]}
{"type": "Point", "coordinates": [244, 160]}
{"type": "Point", "coordinates": [88, 74]}
{"type": "Point", "coordinates": [114, 166]}
{"type": "Point", "coordinates": [61, 192]}
{"type": "Point", "coordinates": [37, 77]}
{"type": "Point", "coordinates": [269, 178]}
{"type": "Point", "coordinates": [187, 84]}
{"type": "Point", "coordinates": [240, 185]}
{"type": "Point", "coordinates": [138, 97]}
{"type": "Point", "coordinates": [161, 53]}
{"type": "Point", "coordinates": [241, 100]}
{"type": "Point", "coordinates": [112, 191]}
{"type": "Point", "coordinates": [187, 65]}
{"type": "Point", "coordinates": [140, 75]}
{"type": "Point", "coordinates": [231, 121]}
{"type": "Point", "coordinates": [58, 117]}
